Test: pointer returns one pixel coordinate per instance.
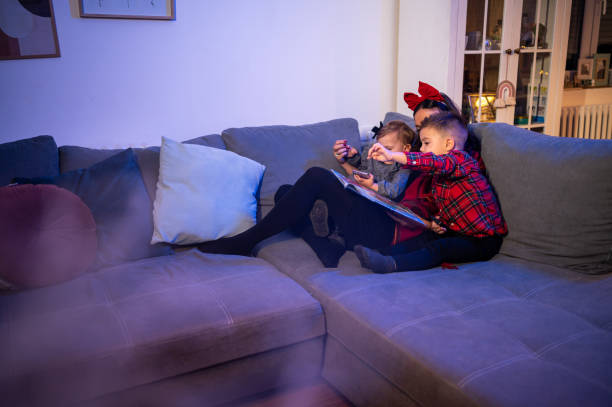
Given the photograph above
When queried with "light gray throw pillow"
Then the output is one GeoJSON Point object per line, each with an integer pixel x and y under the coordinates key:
{"type": "Point", "coordinates": [555, 194]}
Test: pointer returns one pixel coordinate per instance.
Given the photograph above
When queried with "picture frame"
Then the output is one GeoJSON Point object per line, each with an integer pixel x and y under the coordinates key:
{"type": "Point", "coordinates": [601, 65]}
{"type": "Point", "coordinates": [27, 30]}
{"type": "Point", "coordinates": [128, 9]}
{"type": "Point", "coordinates": [585, 69]}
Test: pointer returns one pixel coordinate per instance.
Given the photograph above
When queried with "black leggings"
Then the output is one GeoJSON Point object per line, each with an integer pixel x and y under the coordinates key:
{"type": "Point", "coordinates": [359, 221]}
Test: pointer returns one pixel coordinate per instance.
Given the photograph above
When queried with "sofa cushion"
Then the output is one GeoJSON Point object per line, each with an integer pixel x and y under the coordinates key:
{"type": "Point", "coordinates": [288, 151]}
{"type": "Point", "coordinates": [489, 333]}
{"type": "Point", "coordinates": [203, 193]}
{"type": "Point", "coordinates": [33, 157]}
{"type": "Point", "coordinates": [74, 157]}
{"type": "Point", "coordinates": [114, 191]}
{"type": "Point", "coordinates": [144, 321]}
{"type": "Point", "coordinates": [47, 235]}
{"type": "Point", "coordinates": [555, 194]}
{"type": "Point", "coordinates": [390, 116]}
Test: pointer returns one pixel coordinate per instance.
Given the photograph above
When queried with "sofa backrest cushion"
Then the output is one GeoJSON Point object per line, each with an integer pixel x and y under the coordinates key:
{"type": "Point", "coordinates": [288, 151]}
{"type": "Point", "coordinates": [555, 194]}
{"type": "Point", "coordinates": [390, 116]}
{"type": "Point", "coordinates": [74, 157]}
{"type": "Point", "coordinates": [33, 157]}
{"type": "Point", "coordinates": [47, 235]}
{"type": "Point", "coordinates": [114, 191]}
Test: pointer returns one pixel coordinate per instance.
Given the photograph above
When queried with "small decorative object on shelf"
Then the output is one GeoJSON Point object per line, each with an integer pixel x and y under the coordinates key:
{"type": "Point", "coordinates": [569, 79]}
{"type": "Point", "coordinates": [601, 63]}
{"type": "Point", "coordinates": [484, 103]}
{"type": "Point", "coordinates": [506, 95]}
{"type": "Point", "coordinates": [585, 69]}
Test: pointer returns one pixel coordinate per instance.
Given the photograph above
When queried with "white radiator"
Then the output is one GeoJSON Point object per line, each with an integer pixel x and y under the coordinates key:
{"type": "Point", "coordinates": [590, 121]}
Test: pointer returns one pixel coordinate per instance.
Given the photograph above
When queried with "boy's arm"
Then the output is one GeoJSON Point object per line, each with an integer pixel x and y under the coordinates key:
{"type": "Point", "coordinates": [445, 165]}
{"type": "Point", "coordinates": [429, 163]}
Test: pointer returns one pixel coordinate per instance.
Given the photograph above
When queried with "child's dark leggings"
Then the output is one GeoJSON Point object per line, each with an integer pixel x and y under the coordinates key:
{"type": "Point", "coordinates": [430, 250]}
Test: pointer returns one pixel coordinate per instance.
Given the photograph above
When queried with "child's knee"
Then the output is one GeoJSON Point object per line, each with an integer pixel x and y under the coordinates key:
{"type": "Point", "coordinates": [317, 172]}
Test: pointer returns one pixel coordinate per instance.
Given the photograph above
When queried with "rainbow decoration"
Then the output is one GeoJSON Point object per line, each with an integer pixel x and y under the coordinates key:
{"type": "Point", "coordinates": [505, 95]}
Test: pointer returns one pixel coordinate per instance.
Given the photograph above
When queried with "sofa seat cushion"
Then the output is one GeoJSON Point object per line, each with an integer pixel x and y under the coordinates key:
{"type": "Point", "coordinates": [503, 332]}
{"type": "Point", "coordinates": [144, 321]}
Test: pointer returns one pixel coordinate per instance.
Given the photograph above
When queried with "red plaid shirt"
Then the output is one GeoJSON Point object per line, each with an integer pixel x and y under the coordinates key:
{"type": "Point", "coordinates": [464, 199]}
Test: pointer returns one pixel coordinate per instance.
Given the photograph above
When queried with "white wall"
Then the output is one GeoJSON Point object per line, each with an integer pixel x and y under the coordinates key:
{"type": "Point", "coordinates": [424, 46]}
{"type": "Point", "coordinates": [222, 63]}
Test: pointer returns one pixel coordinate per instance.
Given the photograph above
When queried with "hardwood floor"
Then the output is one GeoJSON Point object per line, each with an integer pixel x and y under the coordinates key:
{"type": "Point", "coordinates": [318, 393]}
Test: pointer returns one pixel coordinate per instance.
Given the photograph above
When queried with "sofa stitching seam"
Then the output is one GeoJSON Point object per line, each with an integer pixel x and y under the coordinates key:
{"type": "Point", "coordinates": [358, 289]}
{"type": "Point", "coordinates": [392, 331]}
{"type": "Point", "coordinates": [127, 337]}
{"type": "Point", "coordinates": [532, 355]}
{"type": "Point", "coordinates": [194, 284]}
{"type": "Point", "coordinates": [541, 288]}
{"type": "Point", "coordinates": [495, 366]}
{"type": "Point", "coordinates": [223, 306]}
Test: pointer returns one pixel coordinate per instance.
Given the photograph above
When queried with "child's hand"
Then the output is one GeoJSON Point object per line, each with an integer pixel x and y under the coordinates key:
{"type": "Point", "coordinates": [366, 182]}
{"type": "Point", "coordinates": [342, 150]}
{"type": "Point", "coordinates": [380, 153]}
{"type": "Point", "coordinates": [436, 228]}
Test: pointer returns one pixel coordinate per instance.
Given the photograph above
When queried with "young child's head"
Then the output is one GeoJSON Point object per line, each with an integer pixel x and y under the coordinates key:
{"type": "Point", "coordinates": [396, 136]}
{"type": "Point", "coordinates": [443, 132]}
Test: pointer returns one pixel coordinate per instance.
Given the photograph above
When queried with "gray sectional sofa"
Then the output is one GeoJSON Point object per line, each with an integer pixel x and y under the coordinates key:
{"type": "Point", "coordinates": [532, 326]}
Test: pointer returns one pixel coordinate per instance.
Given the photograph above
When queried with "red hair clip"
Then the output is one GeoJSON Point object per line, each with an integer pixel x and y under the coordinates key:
{"type": "Point", "coordinates": [427, 92]}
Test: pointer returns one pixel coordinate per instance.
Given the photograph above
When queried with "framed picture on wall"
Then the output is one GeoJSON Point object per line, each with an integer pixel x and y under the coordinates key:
{"type": "Point", "coordinates": [132, 9]}
{"type": "Point", "coordinates": [585, 69]}
{"type": "Point", "coordinates": [27, 30]}
{"type": "Point", "coordinates": [601, 64]}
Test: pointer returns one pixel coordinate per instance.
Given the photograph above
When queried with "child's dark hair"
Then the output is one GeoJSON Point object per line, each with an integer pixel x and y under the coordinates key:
{"type": "Point", "coordinates": [447, 106]}
{"type": "Point", "coordinates": [449, 123]}
{"type": "Point", "coordinates": [406, 135]}
{"type": "Point", "coordinates": [472, 143]}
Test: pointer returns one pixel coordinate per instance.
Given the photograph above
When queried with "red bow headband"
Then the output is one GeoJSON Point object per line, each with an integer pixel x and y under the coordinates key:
{"type": "Point", "coordinates": [426, 91]}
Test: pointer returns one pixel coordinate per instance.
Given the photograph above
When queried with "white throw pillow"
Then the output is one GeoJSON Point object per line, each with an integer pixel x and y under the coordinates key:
{"type": "Point", "coordinates": [203, 193]}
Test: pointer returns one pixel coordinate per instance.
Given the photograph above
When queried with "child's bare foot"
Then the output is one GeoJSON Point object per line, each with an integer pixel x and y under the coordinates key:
{"type": "Point", "coordinates": [373, 260]}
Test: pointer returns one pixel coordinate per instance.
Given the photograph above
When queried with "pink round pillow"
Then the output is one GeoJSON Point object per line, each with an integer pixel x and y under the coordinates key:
{"type": "Point", "coordinates": [47, 235]}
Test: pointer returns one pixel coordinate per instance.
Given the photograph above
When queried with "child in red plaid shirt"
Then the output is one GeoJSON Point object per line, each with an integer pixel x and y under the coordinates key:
{"type": "Point", "coordinates": [468, 225]}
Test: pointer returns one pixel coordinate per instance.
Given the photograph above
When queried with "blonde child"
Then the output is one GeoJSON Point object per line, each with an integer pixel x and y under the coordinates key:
{"type": "Point", "coordinates": [388, 178]}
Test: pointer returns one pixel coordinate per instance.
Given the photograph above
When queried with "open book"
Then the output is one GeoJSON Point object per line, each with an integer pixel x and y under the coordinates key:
{"type": "Point", "coordinates": [367, 193]}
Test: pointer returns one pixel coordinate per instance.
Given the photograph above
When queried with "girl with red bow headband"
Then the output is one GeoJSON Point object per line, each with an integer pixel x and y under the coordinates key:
{"type": "Point", "coordinates": [430, 101]}
{"type": "Point", "coordinates": [427, 102]}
